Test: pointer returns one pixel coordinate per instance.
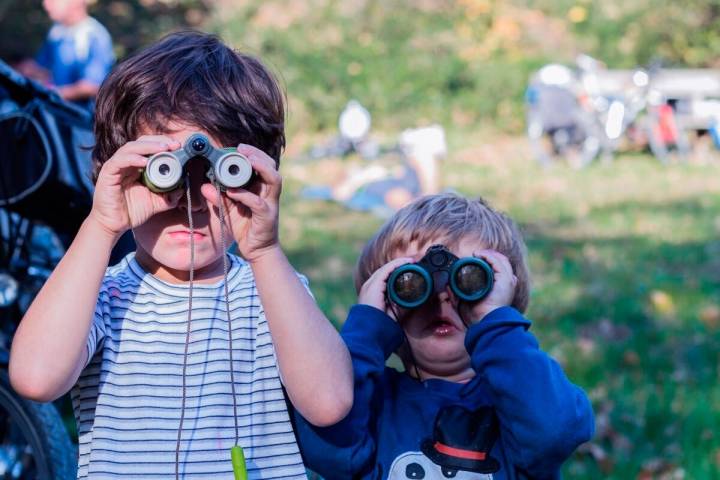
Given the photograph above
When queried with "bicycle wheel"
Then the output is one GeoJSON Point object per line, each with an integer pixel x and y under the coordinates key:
{"type": "Point", "coordinates": [34, 443]}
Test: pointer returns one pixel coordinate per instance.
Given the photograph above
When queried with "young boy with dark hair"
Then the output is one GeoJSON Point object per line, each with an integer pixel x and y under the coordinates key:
{"type": "Point", "coordinates": [478, 398]}
{"type": "Point", "coordinates": [181, 351]}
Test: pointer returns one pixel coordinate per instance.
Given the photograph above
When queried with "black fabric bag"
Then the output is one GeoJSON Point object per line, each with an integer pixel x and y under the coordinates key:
{"type": "Point", "coordinates": [44, 154]}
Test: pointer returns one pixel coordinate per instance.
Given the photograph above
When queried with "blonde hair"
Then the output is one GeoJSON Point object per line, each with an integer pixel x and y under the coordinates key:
{"type": "Point", "coordinates": [448, 218]}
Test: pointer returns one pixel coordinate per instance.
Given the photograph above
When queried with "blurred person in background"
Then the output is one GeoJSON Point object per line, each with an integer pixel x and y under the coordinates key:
{"type": "Point", "coordinates": [383, 189]}
{"type": "Point", "coordinates": [76, 56]}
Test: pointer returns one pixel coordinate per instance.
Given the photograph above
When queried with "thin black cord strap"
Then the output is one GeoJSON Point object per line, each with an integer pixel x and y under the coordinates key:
{"type": "Point", "coordinates": [221, 208]}
{"type": "Point", "coordinates": [187, 334]}
{"type": "Point", "coordinates": [409, 347]}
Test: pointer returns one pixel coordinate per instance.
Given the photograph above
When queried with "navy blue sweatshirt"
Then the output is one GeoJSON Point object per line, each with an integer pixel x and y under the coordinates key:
{"type": "Point", "coordinates": [519, 417]}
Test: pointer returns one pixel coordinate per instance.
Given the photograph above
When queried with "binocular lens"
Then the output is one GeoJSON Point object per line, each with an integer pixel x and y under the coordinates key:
{"type": "Point", "coordinates": [410, 286]}
{"type": "Point", "coordinates": [471, 278]}
{"type": "Point", "coordinates": [163, 172]}
{"type": "Point", "coordinates": [233, 170]}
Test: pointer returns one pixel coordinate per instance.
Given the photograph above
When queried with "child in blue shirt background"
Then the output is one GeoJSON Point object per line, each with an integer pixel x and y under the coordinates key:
{"type": "Point", "coordinates": [76, 56]}
{"type": "Point", "coordinates": [478, 398]}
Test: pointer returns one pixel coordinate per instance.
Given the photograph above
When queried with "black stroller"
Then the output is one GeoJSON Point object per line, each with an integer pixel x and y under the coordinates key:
{"type": "Point", "coordinates": [45, 193]}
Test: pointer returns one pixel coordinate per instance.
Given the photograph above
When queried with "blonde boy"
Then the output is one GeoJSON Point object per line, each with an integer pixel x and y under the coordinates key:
{"type": "Point", "coordinates": [478, 398]}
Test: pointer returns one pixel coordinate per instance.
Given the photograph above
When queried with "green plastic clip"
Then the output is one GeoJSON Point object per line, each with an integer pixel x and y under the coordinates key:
{"type": "Point", "coordinates": [238, 462]}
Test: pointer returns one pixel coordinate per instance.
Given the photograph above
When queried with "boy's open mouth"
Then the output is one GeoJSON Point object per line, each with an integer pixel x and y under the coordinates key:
{"type": "Point", "coordinates": [442, 328]}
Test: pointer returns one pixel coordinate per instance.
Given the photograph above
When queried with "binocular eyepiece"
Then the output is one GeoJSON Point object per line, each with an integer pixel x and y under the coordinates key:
{"type": "Point", "coordinates": [411, 285]}
{"type": "Point", "coordinates": [164, 170]}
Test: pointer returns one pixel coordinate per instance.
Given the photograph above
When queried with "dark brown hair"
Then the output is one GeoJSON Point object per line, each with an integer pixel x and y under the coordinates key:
{"type": "Point", "coordinates": [193, 78]}
{"type": "Point", "coordinates": [448, 218]}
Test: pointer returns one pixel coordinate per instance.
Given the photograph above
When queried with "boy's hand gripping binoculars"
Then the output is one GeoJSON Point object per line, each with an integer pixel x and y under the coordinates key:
{"type": "Point", "coordinates": [411, 285]}
{"type": "Point", "coordinates": [164, 170]}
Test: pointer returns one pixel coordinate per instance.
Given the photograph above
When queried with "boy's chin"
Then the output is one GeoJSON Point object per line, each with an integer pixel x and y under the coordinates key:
{"type": "Point", "coordinates": [199, 265]}
{"type": "Point", "coordinates": [450, 358]}
{"type": "Point", "coordinates": [179, 264]}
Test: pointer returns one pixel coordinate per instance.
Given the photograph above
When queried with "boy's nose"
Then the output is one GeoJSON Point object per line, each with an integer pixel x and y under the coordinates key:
{"type": "Point", "coordinates": [446, 297]}
{"type": "Point", "coordinates": [444, 308]}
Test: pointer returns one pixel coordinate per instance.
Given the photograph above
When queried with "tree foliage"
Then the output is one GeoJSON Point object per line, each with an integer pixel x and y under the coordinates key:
{"type": "Point", "coordinates": [410, 61]}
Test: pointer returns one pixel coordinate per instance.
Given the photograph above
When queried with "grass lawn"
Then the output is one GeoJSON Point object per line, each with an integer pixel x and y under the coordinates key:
{"type": "Point", "coordinates": [625, 260]}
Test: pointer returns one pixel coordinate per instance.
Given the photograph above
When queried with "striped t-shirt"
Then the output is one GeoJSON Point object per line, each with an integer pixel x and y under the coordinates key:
{"type": "Point", "coordinates": [127, 400]}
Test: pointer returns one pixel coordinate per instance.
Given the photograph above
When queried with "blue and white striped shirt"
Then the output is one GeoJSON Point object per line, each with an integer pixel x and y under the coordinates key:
{"type": "Point", "coordinates": [127, 400]}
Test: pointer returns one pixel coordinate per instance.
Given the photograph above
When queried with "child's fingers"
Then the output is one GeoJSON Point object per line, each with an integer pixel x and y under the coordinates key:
{"type": "Point", "coordinates": [119, 163]}
{"type": "Point", "coordinates": [499, 262]}
{"type": "Point", "coordinates": [160, 138]}
{"type": "Point", "coordinates": [271, 179]}
{"type": "Point", "coordinates": [254, 152]}
{"type": "Point", "coordinates": [265, 167]}
{"type": "Point", "coordinates": [502, 293]}
{"type": "Point", "coordinates": [210, 193]}
{"type": "Point", "coordinates": [257, 205]}
{"type": "Point", "coordinates": [146, 147]}
{"type": "Point", "coordinates": [389, 267]}
{"type": "Point", "coordinates": [381, 275]}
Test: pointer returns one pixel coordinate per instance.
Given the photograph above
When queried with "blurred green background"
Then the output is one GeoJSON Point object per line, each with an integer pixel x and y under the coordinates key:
{"type": "Point", "coordinates": [625, 256]}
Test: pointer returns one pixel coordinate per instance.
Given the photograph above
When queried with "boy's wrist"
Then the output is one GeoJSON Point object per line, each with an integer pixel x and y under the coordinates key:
{"type": "Point", "coordinates": [500, 319]}
{"type": "Point", "coordinates": [97, 228]}
{"type": "Point", "coordinates": [265, 254]}
{"type": "Point", "coordinates": [365, 323]}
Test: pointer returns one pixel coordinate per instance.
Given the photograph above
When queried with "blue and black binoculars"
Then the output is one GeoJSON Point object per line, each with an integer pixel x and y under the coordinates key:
{"type": "Point", "coordinates": [411, 285]}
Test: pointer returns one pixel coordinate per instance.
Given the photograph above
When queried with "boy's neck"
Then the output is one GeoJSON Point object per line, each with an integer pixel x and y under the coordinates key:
{"type": "Point", "coordinates": [74, 18]}
{"type": "Point", "coordinates": [463, 376]}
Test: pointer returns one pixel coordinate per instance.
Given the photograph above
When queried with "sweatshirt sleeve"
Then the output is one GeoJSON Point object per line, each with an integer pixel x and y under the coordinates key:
{"type": "Point", "coordinates": [346, 450]}
{"type": "Point", "coordinates": [543, 416]}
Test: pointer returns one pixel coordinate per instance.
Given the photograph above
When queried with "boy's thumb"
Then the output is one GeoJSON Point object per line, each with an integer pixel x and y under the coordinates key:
{"type": "Point", "coordinates": [210, 193]}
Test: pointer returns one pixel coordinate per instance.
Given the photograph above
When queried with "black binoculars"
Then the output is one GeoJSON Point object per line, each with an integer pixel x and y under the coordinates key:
{"type": "Point", "coordinates": [410, 285]}
{"type": "Point", "coordinates": [164, 170]}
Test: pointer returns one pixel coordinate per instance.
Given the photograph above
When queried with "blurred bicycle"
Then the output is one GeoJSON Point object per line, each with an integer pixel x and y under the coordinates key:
{"type": "Point", "coordinates": [559, 123]}
{"type": "Point", "coordinates": [642, 117]}
{"type": "Point", "coordinates": [588, 113]}
{"type": "Point", "coordinates": [45, 192]}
